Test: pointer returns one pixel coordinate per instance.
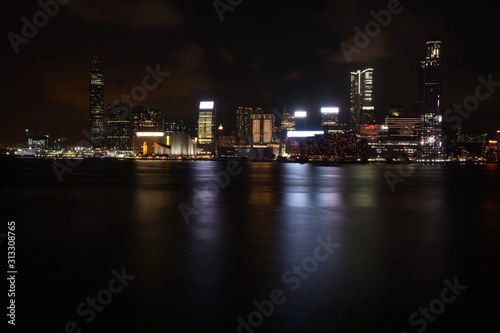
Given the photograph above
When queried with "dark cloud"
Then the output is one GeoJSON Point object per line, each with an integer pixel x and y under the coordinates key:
{"type": "Point", "coordinates": [227, 55]}
{"type": "Point", "coordinates": [136, 13]}
{"type": "Point", "coordinates": [293, 74]}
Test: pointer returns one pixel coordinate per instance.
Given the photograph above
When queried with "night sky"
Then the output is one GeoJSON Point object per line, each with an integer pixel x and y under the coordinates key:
{"type": "Point", "coordinates": [266, 54]}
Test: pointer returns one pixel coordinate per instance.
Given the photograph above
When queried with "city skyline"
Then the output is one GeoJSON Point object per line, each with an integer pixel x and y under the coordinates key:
{"type": "Point", "coordinates": [300, 66]}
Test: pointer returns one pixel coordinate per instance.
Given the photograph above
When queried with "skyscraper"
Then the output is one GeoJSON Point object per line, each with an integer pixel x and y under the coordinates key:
{"type": "Point", "coordinates": [206, 123]}
{"type": "Point", "coordinates": [361, 108]}
{"type": "Point", "coordinates": [430, 95]}
{"type": "Point", "coordinates": [262, 128]}
{"type": "Point", "coordinates": [147, 119]}
{"type": "Point", "coordinates": [119, 127]}
{"type": "Point", "coordinates": [300, 120]}
{"type": "Point", "coordinates": [244, 124]}
{"type": "Point", "coordinates": [96, 95]}
{"type": "Point", "coordinates": [288, 122]}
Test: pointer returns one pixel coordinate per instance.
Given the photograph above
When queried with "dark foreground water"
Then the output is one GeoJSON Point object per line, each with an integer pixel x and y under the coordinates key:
{"type": "Point", "coordinates": [320, 248]}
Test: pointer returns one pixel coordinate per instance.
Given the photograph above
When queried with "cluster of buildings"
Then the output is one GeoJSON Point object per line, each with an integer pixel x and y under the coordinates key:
{"type": "Point", "coordinates": [126, 130]}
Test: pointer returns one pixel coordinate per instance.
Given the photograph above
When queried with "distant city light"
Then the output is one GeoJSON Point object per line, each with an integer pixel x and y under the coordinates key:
{"type": "Point", "coordinates": [300, 114]}
{"type": "Point", "coordinates": [149, 134]}
{"type": "Point", "coordinates": [303, 134]}
{"type": "Point", "coordinates": [207, 105]}
{"type": "Point", "coordinates": [330, 110]}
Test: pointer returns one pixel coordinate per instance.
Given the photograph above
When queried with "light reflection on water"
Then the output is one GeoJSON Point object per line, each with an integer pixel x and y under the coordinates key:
{"type": "Point", "coordinates": [440, 223]}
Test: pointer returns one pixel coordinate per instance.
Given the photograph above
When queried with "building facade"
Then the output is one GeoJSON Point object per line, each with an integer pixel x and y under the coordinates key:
{"type": "Point", "coordinates": [206, 123]}
{"type": "Point", "coordinates": [119, 135]}
{"type": "Point", "coordinates": [262, 128]}
{"type": "Point", "coordinates": [148, 120]}
{"type": "Point", "coordinates": [430, 96]}
{"type": "Point", "coordinates": [362, 111]}
{"type": "Point", "coordinates": [244, 124]}
{"type": "Point", "coordinates": [96, 102]}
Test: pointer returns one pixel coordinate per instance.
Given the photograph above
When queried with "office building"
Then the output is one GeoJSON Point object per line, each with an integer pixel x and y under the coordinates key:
{"type": "Point", "coordinates": [262, 128]}
{"type": "Point", "coordinates": [288, 122]}
{"type": "Point", "coordinates": [401, 126]}
{"type": "Point", "coordinates": [362, 111]}
{"type": "Point", "coordinates": [96, 103]}
{"type": "Point", "coordinates": [179, 125]}
{"type": "Point", "coordinates": [300, 118]}
{"type": "Point", "coordinates": [329, 116]}
{"type": "Point", "coordinates": [244, 124]}
{"type": "Point", "coordinates": [35, 141]}
{"type": "Point", "coordinates": [430, 95]}
{"type": "Point", "coordinates": [119, 135]}
{"type": "Point", "coordinates": [330, 120]}
{"type": "Point", "coordinates": [206, 123]}
{"type": "Point", "coordinates": [147, 120]}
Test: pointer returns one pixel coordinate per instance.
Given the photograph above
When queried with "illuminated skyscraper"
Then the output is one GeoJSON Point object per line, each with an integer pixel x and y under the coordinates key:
{"type": "Point", "coordinates": [96, 94]}
{"type": "Point", "coordinates": [300, 120]}
{"type": "Point", "coordinates": [244, 124]}
{"type": "Point", "coordinates": [119, 127]}
{"type": "Point", "coordinates": [361, 108]}
{"type": "Point", "coordinates": [206, 123]}
{"type": "Point", "coordinates": [148, 120]}
{"type": "Point", "coordinates": [262, 128]}
{"type": "Point", "coordinates": [288, 122]}
{"type": "Point", "coordinates": [430, 95]}
{"type": "Point", "coordinates": [330, 119]}
{"type": "Point", "coordinates": [329, 116]}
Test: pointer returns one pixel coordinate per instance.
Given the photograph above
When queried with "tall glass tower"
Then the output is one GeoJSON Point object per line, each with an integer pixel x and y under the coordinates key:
{"type": "Point", "coordinates": [430, 95]}
{"type": "Point", "coordinates": [206, 123]}
{"type": "Point", "coordinates": [361, 108]}
{"type": "Point", "coordinates": [96, 94]}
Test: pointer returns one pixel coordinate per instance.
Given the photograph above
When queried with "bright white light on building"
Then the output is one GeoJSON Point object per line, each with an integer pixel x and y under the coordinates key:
{"type": "Point", "coordinates": [300, 114]}
{"type": "Point", "coordinates": [149, 134]}
{"type": "Point", "coordinates": [207, 105]}
{"type": "Point", "coordinates": [303, 134]}
{"type": "Point", "coordinates": [329, 110]}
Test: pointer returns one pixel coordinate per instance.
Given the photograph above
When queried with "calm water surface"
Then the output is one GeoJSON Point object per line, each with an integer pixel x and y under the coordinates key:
{"type": "Point", "coordinates": [394, 251]}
